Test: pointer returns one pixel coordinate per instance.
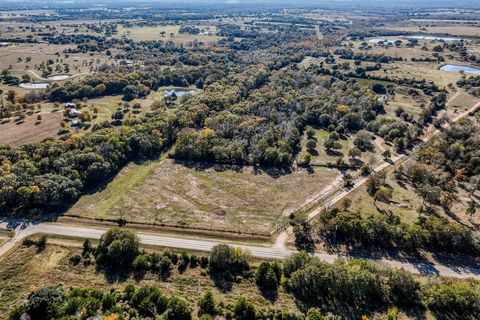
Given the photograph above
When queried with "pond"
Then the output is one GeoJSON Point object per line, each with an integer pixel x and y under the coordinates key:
{"type": "Point", "coordinates": [30, 85]}
{"type": "Point", "coordinates": [457, 68]}
{"type": "Point", "coordinates": [58, 77]}
{"type": "Point", "coordinates": [434, 38]}
{"type": "Point", "coordinates": [178, 92]}
{"type": "Point", "coordinates": [382, 41]}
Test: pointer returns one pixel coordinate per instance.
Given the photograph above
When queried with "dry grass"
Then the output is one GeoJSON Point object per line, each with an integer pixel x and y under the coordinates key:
{"type": "Point", "coordinates": [242, 200]}
{"type": "Point", "coordinates": [468, 30]}
{"type": "Point", "coordinates": [78, 62]}
{"type": "Point", "coordinates": [171, 34]}
{"type": "Point", "coordinates": [14, 133]}
{"type": "Point", "coordinates": [405, 202]}
{"type": "Point", "coordinates": [25, 270]}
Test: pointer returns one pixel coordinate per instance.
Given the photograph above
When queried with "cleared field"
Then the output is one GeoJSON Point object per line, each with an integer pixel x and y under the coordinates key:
{"type": "Point", "coordinates": [23, 57]}
{"type": "Point", "coordinates": [427, 71]}
{"type": "Point", "coordinates": [462, 101]}
{"type": "Point", "coordinates": [212, 198]}
{"type": "Point", "coordinates": [470, 30]}
{"type": "Point", "coordinates": [25, 270]}
{"type": "Point", "coordinates": [31, 129]}
{"type": "Point", "coordinates": [165, 33]}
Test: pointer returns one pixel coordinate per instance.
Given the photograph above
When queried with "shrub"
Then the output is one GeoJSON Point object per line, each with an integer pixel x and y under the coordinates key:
{"type": "Point", "coordinates": [207, 305]}
{"type": "Point", "coordinates": [177, 309]}
{"type": "Point", "coordinates": [244, 310]}
{"type": "Point", "coordinates": [75, 259]}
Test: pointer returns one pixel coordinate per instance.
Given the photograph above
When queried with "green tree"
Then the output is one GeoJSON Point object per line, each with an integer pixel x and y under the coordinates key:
{"type": "Point", "coordinates": [118, 248]}
{"type": "Point", "coordinates": [225, 258]}
{"type": "Point", "coordinates": [45, 303]}
{"type": "Point", "coordinates": [266, 278]}
{"type": "Point", "coordinates": [244, 310]}
{"type": "Point", "coordinates": [207, 305]}
{"type": "Point", "coordinates": [178, 309]}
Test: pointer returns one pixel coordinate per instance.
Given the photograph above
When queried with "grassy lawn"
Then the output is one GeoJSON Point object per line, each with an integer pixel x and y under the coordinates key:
{"type": "Point", "coordinates": [25, 270]}
{"type": "Point", "coordinates": [242, 200]}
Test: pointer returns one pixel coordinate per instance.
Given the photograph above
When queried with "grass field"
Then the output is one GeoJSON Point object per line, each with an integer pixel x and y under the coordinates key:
{"type": "Point", "coordinates": [25, 270]}
{"type": "Point", "coordinates": [30, 130]}
{"type": "Point", "coordinates": [41, 52]}
{"type": "Point", "coordinates": [242, 200]}
{"type": "Point", "coordinates": [170, 34]}
{"type": "Point", "coordinates": [467, 30]}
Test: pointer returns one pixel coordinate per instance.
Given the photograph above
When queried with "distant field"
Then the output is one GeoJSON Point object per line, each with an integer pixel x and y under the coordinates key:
{"type": "Point", "coordinates": [40, 53]}
{"type": "Point", "coordinates": [25, 270]}
{"type": "Point", "coordinates": [226, 200]}
{"type": "Point", "coordinates": [469, 30]}
{"type": "Point", "coordinates": [19, 133]}
{"type": "Point", "coordinates": [171, 34]}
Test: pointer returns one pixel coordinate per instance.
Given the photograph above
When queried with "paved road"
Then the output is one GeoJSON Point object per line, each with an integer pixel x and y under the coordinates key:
{"type": "Point", "coordinates": [276, 252]}
{"type": "Point", "coordinates": [23, 230]}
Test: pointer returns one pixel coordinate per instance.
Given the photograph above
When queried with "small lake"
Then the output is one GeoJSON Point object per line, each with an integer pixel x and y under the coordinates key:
{"type": "Point", "coordinates": [457, 68]}
{"type": "Point", "coordinates": [178, 92]}
{"type": "Point", "coordinates": [382, 41]}
{"type": "Point", "coordinates": [58, 77]}
{"type": "Point", "coordinates": [434, 38]}
{"type": "Point", "coordinates": [30, 85]}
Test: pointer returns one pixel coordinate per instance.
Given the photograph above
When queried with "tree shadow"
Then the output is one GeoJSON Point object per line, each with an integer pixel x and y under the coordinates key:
{"type": "Point", "coordinates": [113, 275]}
{"type": "Point", "coordinates": [270, 295]}
{"type": "Point", "coordinates": [222, 284]}
{"type": "Point", "coordinates": [333, 153]}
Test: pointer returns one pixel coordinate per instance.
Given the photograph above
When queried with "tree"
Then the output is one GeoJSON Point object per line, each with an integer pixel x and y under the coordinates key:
{"type": "Point", "coordinates": [310, 132]}
{"type": "Point", "coordinates": [373, 183]}
{"type": "Point", "coordinates": [244, 310]}
{"type": "Point", "coordinates": [363, 141]}
{"type": "Point", "coordinates": [383, 195]}
{"type": "Point", "coordinates": [87, 247]}
{"type": "Point", "coordinates": [265, 277]}
{"type": "Point", "coordinates": [117, 248]}
{"type": "Point", "coordinates": [345, 204]}
{"type": "Point", "coordinates": [354, 153]}
{"type": "Point", "coordinates": [45, 303]}
{"type": "Point", "coordinates": [311, 144]}
{"type": "Point", "coordinates": [379, 88]}
{"type": "Point", "coordinates": [207, 305]}
{"type": "Point", "coordinates": [428, 193]}
{"type": "Point", "coordinates": [178, 309]}
{"type": "Point", "coordinates": [130, 92]}
{"type": "Point", "coordinates": [471, 209]}
{"type": "Point", "coordinates": [141, 263]}
{"type": "Point", "coordinates": [305, 160]}
{"type": "Point", "coordinates": [224, 258]}
{"type": "Point", "coordinates": [387, 154]}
